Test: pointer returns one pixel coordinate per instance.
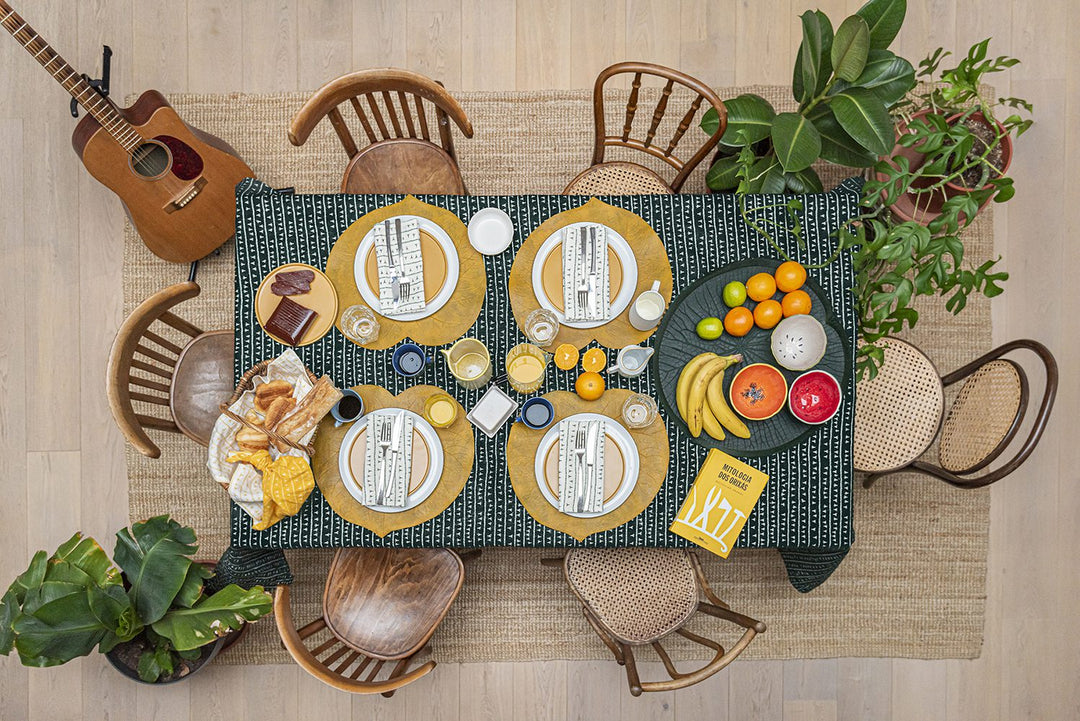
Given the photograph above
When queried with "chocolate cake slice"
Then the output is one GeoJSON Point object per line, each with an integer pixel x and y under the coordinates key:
{"type": "Point", "coordinates": [290, 321]}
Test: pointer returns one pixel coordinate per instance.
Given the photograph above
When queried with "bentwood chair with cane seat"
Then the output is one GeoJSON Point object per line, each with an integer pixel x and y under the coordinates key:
{"type": "Point", "coordinates": [166, 373]}
{"type": "Point", "coordinates": [900, 413]}
{"type": "Point", "coordinates": [626, 178]}
{"type": "Point", "coordinates": [633, 597]}
{"type": "Point", "coordinates": [400, 155]}
{"type": "Point", "coordinates": [380, 608]}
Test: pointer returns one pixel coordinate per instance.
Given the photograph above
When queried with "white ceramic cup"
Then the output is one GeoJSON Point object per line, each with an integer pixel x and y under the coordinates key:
{"type": "Point", "coordinates": [647, 308]}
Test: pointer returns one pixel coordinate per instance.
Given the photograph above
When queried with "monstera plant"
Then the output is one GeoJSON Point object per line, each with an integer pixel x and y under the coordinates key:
{"type": "Point", "coordinates": [845, 81]}
{"type": "Point", "coordinates": [150, 603]}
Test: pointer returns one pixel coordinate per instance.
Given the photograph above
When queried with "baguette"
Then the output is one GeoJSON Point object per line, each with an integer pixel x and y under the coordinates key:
{"type": "Point", "coordinates": [316, 404]}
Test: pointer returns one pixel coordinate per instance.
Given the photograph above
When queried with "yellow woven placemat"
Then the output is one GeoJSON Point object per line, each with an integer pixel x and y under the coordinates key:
{"type": "Point", "coordinates": [913, 584]}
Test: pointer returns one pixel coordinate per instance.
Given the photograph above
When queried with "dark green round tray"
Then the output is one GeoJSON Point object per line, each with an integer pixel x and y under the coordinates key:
{"type": "Point", "coordinates": [677, 342]}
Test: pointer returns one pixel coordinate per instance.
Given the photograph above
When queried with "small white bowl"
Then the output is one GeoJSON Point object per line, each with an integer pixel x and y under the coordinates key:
{"type": "Point", "coordinates": [490, 231]}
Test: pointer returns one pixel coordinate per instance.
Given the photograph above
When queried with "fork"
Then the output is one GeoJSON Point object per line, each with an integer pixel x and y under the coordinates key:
{"type": "Point", "coordinates": [395, 281]}
{"type": "Point", "coordinates": [579, 464]}
{"type": "Point", "coordinates": [384, 446]}
{"type": "Point", "coordinates": [583, 285]}
{"type": "Point", "coordinates": [404, 286]}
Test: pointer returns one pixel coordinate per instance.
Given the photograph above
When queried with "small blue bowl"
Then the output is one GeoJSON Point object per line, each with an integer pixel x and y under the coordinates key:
{"type": "Point", "coordinates": [409, 360]}
{"type": "Point", "coordinates": [537, 413]}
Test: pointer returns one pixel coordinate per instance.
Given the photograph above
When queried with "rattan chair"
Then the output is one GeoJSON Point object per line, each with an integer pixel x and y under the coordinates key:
{"type": "Point", "coordinates": [165, 373]}
{"type": "Point", "coordinates": [900, 413]}
{"type": "Point", "coordinates": [380, 607]}
{"type": "Point", "coordinates": [634, 597]}
{"type": "Point", "coordinates": [400, 155]}
{"type": "Point", "coordinates": [626, 178]}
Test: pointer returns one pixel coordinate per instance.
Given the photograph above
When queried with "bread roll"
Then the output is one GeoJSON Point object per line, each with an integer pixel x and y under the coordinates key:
{"type": "Point", "coordinates": [251, 440]}
{"type": "Point", "coordinates": [277, 411]}
{"type": "Point", "coordinates": [266, 393]}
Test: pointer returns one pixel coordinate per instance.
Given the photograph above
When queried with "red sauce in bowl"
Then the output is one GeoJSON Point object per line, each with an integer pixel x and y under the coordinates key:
{"type": "Point", "coordinates": [814, 397]}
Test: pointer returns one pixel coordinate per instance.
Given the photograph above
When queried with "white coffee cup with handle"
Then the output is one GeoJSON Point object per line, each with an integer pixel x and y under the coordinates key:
{"type": "Point", "coordinates": [647, 308]}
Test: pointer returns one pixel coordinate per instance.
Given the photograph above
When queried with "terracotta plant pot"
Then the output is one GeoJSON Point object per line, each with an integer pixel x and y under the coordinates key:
{"type": "Point", "coordinates": [1006, 145]}
{"type": "Point", "coordinates": [905, 206]}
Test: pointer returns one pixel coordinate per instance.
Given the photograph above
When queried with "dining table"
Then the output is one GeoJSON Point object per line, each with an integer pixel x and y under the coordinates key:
{"type": "Point", "coordinates": [805, 511]}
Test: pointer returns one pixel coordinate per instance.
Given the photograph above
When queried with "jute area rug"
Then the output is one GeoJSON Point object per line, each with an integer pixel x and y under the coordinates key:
{"type": "Point", "coordinates": [912, 586]}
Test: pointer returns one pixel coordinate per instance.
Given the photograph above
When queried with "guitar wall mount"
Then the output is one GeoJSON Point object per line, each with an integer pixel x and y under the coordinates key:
{"type": "Point", "coordinates": [102, 85]}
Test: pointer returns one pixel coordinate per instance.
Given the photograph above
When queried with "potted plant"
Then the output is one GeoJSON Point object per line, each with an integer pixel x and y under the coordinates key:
{"type": "Point", "coordinates": [950, 138]}
{"type": "Point", "coordinates": [846, 83]}
{"type": "Point", "coordinates": [146, 609]}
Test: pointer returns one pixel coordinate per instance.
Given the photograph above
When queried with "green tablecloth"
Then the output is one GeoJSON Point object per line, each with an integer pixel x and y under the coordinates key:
{"type": "Point", "coordinates": [806, 509]}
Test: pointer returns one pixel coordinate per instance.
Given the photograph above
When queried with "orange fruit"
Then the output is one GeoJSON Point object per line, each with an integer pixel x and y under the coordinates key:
{"type": "Point", "coordinates": [789, 276]}
{"type": "Point", "coordinates": [566, 356]}
{"type": "Point", "coordinates": [594, 360]}
{"type": "Point", "coordinates": [767, 314]}
{"type": "Point", "coordinates": [589, 385]}
{"type": "Point", "coordinates": [760, 287]}
{"type": "Point", "coordinates": [739, 321]}
{"type": "Point", "coordinates": [797, 302]}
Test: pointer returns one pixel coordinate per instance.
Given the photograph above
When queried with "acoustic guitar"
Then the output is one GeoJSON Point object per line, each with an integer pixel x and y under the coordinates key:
{"type": "Point", "coordinates": [175, 181]}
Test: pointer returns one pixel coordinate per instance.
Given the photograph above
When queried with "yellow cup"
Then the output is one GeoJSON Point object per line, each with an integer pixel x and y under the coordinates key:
{"type": "Point", "coordinates": [526, 365]}
{"type": "Point", "coordinates": [440, 410]}
{"type": "Point", "coordinates": [469, 362]}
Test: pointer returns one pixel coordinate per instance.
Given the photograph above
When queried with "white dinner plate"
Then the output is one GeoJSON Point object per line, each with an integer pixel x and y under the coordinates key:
{"type": "Point", "coordinates": [615, 433]}
{"type": "Point", "coordinates": [453, 269]}
{"type": "Point", "coordinates": [622, 297]}
{"type": "Point", "coordinates": [419, 492]}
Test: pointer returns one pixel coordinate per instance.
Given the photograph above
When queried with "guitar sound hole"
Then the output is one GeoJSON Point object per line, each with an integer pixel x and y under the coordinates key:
{"type": "Point", "coordinates": [150, 160]}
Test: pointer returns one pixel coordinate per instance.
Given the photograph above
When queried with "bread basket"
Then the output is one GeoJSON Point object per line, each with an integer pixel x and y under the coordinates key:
{"type": "Point", "coordinates": [247, 383]}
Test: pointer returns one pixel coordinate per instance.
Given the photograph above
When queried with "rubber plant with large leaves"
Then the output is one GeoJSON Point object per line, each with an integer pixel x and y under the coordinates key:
{"type": "Point", "coordinates": [845, 81]}
{"type": "Point", "coordinates": [65, 605]}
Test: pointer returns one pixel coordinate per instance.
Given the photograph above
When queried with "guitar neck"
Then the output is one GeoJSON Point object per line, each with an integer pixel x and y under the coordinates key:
{"type": "Point", "coordinates": [102, 110]}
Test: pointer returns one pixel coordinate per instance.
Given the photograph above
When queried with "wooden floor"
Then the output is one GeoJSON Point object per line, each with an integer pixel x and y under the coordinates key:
{"type": "Point", "coordinates": [60, 304]}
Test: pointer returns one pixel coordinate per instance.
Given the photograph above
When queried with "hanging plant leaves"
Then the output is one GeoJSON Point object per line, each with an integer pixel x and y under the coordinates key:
{"type": "Point", "coordinates": [796, 141]}
{"type": "Point", "coordinates": [813, 65]}
{"type": "Point", "coordinates": [750, 115]}
{"type": "Point", "coordinates": [864, 117]}
{"type": "Point", "coordinates": [884, 19]}
{"type": "Point", "coordinates": [888, 76]}
{"type": "Point", "coordinates": [850, 48]}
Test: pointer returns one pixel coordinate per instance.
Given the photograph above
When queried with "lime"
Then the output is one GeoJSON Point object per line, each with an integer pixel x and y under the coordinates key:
{"type": "Point", "coordinates": [734, 294]}
{"type": "Point", "coordinates": [710, 328]}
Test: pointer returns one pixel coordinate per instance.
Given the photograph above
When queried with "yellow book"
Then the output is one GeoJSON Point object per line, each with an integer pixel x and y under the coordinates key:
{"type": "Point", "coordinates": [722, 498]}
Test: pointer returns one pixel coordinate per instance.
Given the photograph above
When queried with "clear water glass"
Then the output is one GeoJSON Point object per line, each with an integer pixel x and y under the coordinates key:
{"type": "Point", "coordinates": [359, 325]}
{"type": "Point", "coordinates": [639, 411]}
{"type": "Point", "coordinates": [541, 327]}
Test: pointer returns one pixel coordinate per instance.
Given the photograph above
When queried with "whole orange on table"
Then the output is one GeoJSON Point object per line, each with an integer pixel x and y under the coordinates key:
{"type": "Point", "coordinates": [789, 276]}
{"type": "Point", "coordinates": [797, 302]}
{"type": "Point", "coordinates": [589, 386]}
{"type": "Point", "coordinates": [738, 321]}
{"type": "Point", "coordinates": [761, 286]}
{"type": "Point", "coordinates": [767, 314]}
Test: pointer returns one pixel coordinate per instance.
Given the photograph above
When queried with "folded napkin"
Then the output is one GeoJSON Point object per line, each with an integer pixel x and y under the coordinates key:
{"type": "Point", "coordinates": [409, 266]}
{"type": "Point", "coordinates": [286, 484]}
{"type": "Point", "coordinates": [390, 468]}
{"type": "Point", "coordinates": [581, 483]}
{"type": "Point", "coordinates": [585, 265]}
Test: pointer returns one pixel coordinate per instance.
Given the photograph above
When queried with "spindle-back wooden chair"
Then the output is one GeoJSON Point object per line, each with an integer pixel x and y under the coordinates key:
{"type": "Point", "coordinates": [620, 177]}
{"type": "Point", "coordinates": [380, 608]}
{"type": "Point", "coordinates": [185, 381]}
{"type": "Point", "coordinates": [634, 597]}
{"type": "Point", "coordinates": [401, 155]}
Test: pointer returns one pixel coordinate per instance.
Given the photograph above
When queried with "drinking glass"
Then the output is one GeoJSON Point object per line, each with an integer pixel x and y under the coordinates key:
{"type": "Point", "coordinates": [359, 325]}
{"type": "Point", "coordinates": [639, 411]}
{"type": "Point", "coordinates": [541, 327]}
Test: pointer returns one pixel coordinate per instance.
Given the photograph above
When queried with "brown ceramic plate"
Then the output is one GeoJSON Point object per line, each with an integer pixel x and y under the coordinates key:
{"type": "Point", "coordinates": [322, 298]}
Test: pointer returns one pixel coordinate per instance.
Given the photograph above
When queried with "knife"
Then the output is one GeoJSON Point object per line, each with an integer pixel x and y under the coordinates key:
{"type": "Point", "coordinates": [395, 441]}
{"type": "Point", "coordinates": [592, 267]}
{"type": "Point", "coordinates": [395, 281]}
{"type": "Point", "coordinates": [591, 443]}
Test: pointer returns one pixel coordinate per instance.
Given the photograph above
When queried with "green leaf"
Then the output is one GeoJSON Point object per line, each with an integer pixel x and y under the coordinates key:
{"type": "Point", "coordinates": [58, 631]}
{"type": "Point", "coordinates": [796, 141]}
{"type": "Point", "coordinates": [723, 175]}
{"type": "Point", "coordinates": [804, 181]}
{"type": "Point", "coordinates": [890, 77]}
{"type": "Point", "coordinates": [884, 19]}
{"type": "Point", "coordinates": [88, 556]}
{"type": "Point", "coordinates": [710, 121]}
{"type": "Point", "coordinates": [193, 585]}
{"type": "Point", "coordinates": [836, 145]}
{"type": "Point", "coordinates": [201, 624]}
{"type": "Point", "coordinates": [850, 48]}
{"type": "Point", "coordinates": [864, 117]}
{"type": "Point", "coordinates": [812, 65]}
{"type": "Point", "coordinates": [155, 555]}
{"type": "Point", "coordinates": [750, 115]}
{"type": "Point", "coordinates": [155, 663]}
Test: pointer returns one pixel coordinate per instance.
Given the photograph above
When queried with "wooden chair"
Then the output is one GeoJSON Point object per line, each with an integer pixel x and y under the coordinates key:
{"type": "Point", "coordinates": [634, 597]}
{"type": "Point", "coordinates": [625, 178]}
{"type": "Point", "coordinates": [401, 157]}
{"type": "Point", "coordinates": [380, 605]}
{"type": "Point", "coordinates": [901, 411]}
{"type": "Point", "coordinates": [162, 361]}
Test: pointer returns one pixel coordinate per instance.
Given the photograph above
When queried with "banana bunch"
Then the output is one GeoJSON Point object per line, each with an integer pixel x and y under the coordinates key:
{"type": "Point", "coordinates": [699, 395]}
